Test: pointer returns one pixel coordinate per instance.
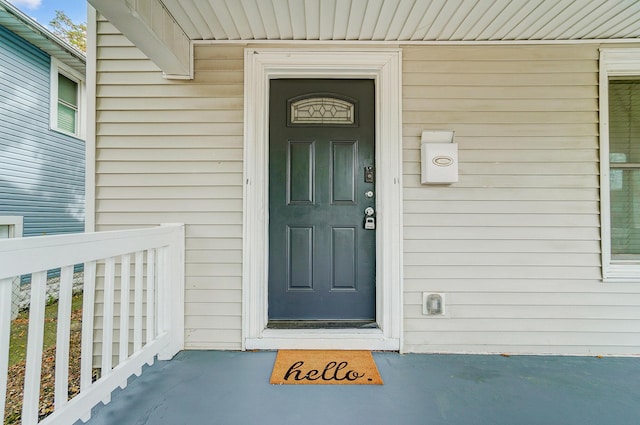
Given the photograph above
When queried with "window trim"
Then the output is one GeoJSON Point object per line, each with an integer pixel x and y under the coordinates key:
{"type": "Point", "coordinates": [613, 63]}
{"type": "Point", "coordinates": [15, 223]}
{"type": "Point", "coordinates": [58, 67]}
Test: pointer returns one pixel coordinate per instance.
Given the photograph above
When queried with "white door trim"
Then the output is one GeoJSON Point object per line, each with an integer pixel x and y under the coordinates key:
{"type": "Point", "coordinates": [383, 66]}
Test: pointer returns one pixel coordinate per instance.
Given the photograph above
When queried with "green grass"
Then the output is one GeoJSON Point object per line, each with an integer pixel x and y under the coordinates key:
{"type": "Point", "coordinates": [20, 326]}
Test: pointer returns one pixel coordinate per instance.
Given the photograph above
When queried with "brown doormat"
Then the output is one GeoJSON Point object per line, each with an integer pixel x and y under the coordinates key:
{"type": "Point", "coordinates": [330, 367]}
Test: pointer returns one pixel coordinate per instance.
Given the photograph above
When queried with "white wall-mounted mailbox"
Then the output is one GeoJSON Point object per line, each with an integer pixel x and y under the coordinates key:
{"type": "Point", "coordinates": [439, 157]}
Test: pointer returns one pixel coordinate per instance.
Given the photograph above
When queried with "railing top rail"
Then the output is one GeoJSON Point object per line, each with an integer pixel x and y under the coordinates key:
{"type": "Point", "coordinates": [26, 255]}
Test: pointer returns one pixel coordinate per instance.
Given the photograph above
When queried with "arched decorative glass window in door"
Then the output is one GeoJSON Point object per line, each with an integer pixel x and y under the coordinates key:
{"type": "Point", "coordinates": [322, 110]}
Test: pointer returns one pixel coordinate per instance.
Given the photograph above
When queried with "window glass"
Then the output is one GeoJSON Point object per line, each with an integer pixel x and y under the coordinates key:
{"type": "Point", "coordinates": [67, 90]}
{"type": "Point", "coordinates": [66, 118]}
{"type": "Point", "coordinates": [67, 104]}
{"type": "Point", "coordinates": [624, 163]}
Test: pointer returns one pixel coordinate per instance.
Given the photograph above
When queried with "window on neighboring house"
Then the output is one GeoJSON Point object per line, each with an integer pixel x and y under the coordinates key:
{"type": "Point", "coordinates": [620, 163]}
{"type": "Point", "coordinates": [67, 104]}
{"type": "Point", "coordinates": [66, 95]}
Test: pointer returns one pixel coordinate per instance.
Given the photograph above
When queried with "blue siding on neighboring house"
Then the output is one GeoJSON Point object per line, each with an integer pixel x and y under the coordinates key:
{"type": "Point", "coordinates": [41, 170]}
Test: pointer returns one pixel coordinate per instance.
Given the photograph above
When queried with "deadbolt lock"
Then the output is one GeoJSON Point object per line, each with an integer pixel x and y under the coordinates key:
{"type": "Point", "coordinates": [369, 174]}
{"type": "Point", "coordinates": [369, 220]}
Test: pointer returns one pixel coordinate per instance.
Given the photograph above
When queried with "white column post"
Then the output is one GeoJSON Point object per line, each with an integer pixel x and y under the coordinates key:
{"type": "Point", "coordinates": [173, 293]}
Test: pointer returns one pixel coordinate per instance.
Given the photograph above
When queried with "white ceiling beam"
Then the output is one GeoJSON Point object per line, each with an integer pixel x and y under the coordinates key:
{"type": "Point", "coordinates": [153, 30]}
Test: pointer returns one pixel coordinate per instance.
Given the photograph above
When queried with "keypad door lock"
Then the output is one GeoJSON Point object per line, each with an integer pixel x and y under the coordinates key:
{"type": "Point", "coordinates": [369, 223]}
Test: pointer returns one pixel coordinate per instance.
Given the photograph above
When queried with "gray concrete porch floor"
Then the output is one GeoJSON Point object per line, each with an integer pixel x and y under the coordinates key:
{"type": "Point", "coordinates": [232, 388]}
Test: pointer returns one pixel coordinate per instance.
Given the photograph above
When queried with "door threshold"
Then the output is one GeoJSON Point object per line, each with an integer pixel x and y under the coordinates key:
{"type": "Point", "coordinates": [323, 339]}
{"type": "Point", "coordinates": [322, 324]}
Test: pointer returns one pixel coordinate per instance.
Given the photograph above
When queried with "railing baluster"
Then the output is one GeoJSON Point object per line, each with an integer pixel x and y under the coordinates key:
{"type": "Point", "coordinates": [137, 302]}
{"type": "Point", "coordinates": [88, 310]}
{"type": "Point", "coordinates": [88, 302]}
{"type": "Point", "coordinates": [107, 325]}
{"type": "Point", "coordinates": [5, 330]}
{"type": "Point", "coordinates": [151, 302]}
{"type": "Point", "coordinates": [163, 271]}
{"type": "Point", "coordinates": [62, 337]}
{"type": "Point", "coordinates": [35, 338]}
{"type": "Point", "coordinates": [125, 288]}
{"type": "Point", "coordinates": [125, 282]}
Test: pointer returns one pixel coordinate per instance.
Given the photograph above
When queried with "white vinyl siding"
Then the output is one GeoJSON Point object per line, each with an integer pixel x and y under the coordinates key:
{"type": "Point", "coordinates": [515, 244]}
{"type": "Point", "coordinates": [171, 151]}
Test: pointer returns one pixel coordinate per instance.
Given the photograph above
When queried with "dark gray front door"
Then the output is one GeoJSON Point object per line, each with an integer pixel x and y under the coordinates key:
{"type": "Point", "coordinates": [321, 257]}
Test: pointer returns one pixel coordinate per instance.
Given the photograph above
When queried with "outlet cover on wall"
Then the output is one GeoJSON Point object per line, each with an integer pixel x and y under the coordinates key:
{"type": "Point", "coordinates": [433, 304]}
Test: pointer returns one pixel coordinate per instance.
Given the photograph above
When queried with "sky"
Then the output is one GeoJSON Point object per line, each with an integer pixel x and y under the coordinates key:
{"type": "Point", "coordinates": [44, 11]}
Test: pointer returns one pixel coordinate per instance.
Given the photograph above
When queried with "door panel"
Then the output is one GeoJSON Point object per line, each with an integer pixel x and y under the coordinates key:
{"type": "Point", "coordinates": [343, 264]}
{"type": "Point", "coordinates": [300, 172]}
{"type": "Point", "coordinates": [321, 259]}
{"type": "Point", "coordinates": [344, 161]}
{"type": "Point", "coordinates": [300, 259]}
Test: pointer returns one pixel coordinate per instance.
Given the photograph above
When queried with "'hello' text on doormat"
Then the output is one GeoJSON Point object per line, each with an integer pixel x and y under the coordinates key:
{"type": "Point", "coordinates": [328, 367]}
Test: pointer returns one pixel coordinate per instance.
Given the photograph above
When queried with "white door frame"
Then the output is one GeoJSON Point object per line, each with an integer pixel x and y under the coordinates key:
{"type": "Point", "coordinates": [384, 67]}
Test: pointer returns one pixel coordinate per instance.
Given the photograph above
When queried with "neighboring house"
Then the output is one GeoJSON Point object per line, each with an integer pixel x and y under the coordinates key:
{"type": "Point", "coordinates": [42, 148]}
{"type": "Point", "coordinates": [242, 120]}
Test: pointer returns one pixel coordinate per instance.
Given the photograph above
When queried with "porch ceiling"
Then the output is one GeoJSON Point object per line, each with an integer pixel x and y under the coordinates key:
{"type": "Point", "coordinates": [418, 20]}
{"type": "Point", "coordinates": [164, 29]}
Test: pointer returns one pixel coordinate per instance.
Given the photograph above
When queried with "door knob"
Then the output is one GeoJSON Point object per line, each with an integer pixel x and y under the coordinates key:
{"type": "Point", "coordinates": [369, 211]}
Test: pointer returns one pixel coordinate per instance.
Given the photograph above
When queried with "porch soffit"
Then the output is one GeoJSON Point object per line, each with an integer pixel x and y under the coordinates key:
{"type": "Point", "coordinates": [401, 20]}
{"type": "Point", "coordinates": [164, 29]}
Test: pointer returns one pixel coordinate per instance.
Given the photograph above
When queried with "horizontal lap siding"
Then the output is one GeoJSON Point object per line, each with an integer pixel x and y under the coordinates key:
{"type": "Point", "coordinates": [41, 171]}
{"type": "Point", "coordinates": [514, 244]}
{"type": "Point", "coordinates": [171, 151]}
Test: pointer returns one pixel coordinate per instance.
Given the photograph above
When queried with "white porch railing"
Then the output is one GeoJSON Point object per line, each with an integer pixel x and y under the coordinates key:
{"type": "Point", "coordinates": [151, 259]}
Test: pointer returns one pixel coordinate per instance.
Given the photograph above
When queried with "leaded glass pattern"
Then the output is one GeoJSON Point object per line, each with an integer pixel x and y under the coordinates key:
{"type": "Point", "coordinates": [322, 110]}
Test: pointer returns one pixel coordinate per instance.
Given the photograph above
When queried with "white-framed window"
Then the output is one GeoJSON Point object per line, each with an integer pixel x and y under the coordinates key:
{"type": "Point", "coordinates": [67, 94]}
{"type": "Point", "coordinates": [620, 163]}
{"type": "Point", "coordinates": [11, 226]}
